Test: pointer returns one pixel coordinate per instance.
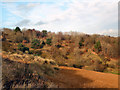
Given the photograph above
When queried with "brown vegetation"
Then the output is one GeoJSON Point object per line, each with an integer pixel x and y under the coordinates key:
{"type": "Point", "coordinates": [91, 52]}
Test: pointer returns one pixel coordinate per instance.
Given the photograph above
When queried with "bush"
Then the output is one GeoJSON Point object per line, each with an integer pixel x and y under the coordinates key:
{"type": "Point", "coordinates": [44, 33]}
{"type": "Point", "coordinates": [22, 48]}
{"type": "Point", "coordinates": [35, 44]}
{"type": "Point", "coordinates": [45, 68]}
{"type": "Point", "coordinates": [98, 46]}
{"type": "Point", "coordinates": [22, 75]}
{"type": "Point", "coordinates": [98, 66]}
{"type": "Point", "coordinates": [77, 66]}
{"type": "Point", "coordinates": [58, 46]}
{"type": "Point", "coordinates": [52, 63]}
{"type": "Point", "coordinates": [48, 41]}
{"type": "Point", "coordinates": [30, 52]}
{"type": "Point", "coordinates": [56, 68]}
{"type": "Point", "coordinates": [80, 44]}
{"type": "Point", "coordinates": [37, 53]}
{"type": "Point", "coordinates": [112, 65]}
{"type": "Point", "coordinates": [42, 45]}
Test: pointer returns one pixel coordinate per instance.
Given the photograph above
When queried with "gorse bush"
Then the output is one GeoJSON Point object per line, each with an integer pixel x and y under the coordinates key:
{"type": "Point", "coordinates": [35, 44]}
{"type": "Point", "coordinates": [22, 48]}
{"type": "Point", "coordinates": [48, 41]}
{"type": "Point", "coordinates": [80, 44]}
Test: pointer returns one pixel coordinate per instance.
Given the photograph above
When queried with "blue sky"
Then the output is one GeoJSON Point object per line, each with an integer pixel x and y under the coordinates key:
{"type": "Point", "coordinates": [87, 16]}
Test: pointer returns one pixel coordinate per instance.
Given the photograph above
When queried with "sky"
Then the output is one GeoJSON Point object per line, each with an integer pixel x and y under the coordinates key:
{"type": "Point", "coordinates": [86, 16]}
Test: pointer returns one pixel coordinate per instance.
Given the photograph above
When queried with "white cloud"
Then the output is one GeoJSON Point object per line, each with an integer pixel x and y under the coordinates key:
{"type": "Point", "coordinates": [88, 16]}
{"type": "Point", "coordinates": [23, 23]}
{"type": "Point", "coordinates": [109, 32]}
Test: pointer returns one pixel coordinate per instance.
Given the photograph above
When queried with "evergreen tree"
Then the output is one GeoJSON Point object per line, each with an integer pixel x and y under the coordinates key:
{"type": "Point", "coordinates": [17, 29]}
{"type": "Point", "coordinates": [98, 46]}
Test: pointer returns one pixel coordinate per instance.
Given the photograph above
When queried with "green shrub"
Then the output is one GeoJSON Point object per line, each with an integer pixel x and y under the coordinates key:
{"type": "Point", "coordinates": [48, 41]}
{"type": "Point", "coordinates": [82, 39]}
{"type": "Point", "coordinates": [22, 48]}
{"type": "Point", "coordinates": [98, 46]}
{"type": "Point", "coordinates": [35, 44]}
{"type": "Point", "coordinates": [80, 44]}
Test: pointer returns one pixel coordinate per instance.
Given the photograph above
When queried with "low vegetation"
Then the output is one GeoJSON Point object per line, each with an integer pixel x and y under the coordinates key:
{"type": "Point", "coordinates": [92, 52]}
{"type": "Point", "coordinates": [23, 75]}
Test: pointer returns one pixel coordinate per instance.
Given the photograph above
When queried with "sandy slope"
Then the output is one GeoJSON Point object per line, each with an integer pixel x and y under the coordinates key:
{"type": "Point", "coordinates": [68, 77]}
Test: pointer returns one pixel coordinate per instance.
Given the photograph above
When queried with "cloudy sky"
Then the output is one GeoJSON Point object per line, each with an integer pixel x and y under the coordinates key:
{"type": "Point", "coordinates": [87, 16]}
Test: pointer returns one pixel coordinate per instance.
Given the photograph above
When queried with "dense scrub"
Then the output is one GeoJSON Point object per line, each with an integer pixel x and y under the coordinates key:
{"type": "Point", "coordinates": [92, 52]}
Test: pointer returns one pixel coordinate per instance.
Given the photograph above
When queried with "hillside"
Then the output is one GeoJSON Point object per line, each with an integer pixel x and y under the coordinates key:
{"type": "Point", "coordinates": [90, 60]}
{"type": "Point", "coordinates": [65, 77]}
{"type": "Point", "coordinates": [18, 71]}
